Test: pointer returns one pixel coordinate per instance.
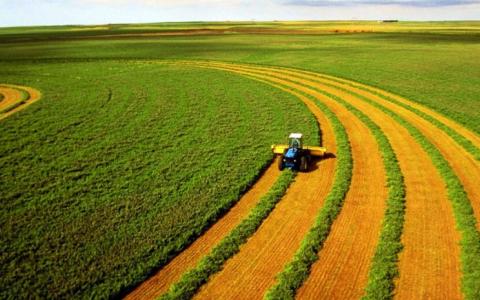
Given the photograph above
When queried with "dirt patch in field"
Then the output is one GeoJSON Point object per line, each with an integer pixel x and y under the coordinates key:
{"type": "Point", "coordinates": [16, 98]}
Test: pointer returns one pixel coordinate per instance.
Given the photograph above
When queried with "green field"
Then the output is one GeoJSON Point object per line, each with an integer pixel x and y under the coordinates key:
{"type": "Point", "coordinates": [122, 145]}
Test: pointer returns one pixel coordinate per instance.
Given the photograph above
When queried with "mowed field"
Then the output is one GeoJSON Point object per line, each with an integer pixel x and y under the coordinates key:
{"type": "Point", "coordinates": [135, 161]}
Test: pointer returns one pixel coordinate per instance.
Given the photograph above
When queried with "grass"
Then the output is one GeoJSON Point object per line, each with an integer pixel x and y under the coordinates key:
{"type": "Point", "coordinates": [297, 270]}
{"type": "Point", "coordinates": [193, 279]}
{"type": "Point", "coordinates": [89, 181]}
{"type": "Point", "coordinates": [429, 66]}
{"type": "Point", "coordinates": [130, 164]}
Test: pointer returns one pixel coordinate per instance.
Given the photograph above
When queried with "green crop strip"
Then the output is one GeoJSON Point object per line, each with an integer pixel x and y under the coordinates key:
{"type": "Point", "coordinates": [192, 280]}
{"type": "Point", "coordinates": [297, 270]}
{"type": "Point", "coordinates": [461, 140]}
{"type": "Point", "coordinates": [464, 217]}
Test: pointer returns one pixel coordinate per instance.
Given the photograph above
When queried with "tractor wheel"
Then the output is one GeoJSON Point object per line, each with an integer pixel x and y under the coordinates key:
{"type": "Point", "coordinates": [281, 166]}
{"type": "Point", "coordinates": [303, 164]}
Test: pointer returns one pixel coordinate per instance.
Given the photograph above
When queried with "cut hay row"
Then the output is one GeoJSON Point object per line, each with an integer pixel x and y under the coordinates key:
{"type": "Point", "coordinates": [16, 98]}
{"type": "Point", "coordinates": [358, 195]}
{"type": "Point", "coordinates": [159, 283]}
{"type": "Point", "coordinates": [460, 159]}
{"type": "Point", "coordinates": [449, 240]}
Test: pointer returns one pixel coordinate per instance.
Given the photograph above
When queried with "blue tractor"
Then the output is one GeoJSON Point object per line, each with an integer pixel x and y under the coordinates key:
{"type": "Point", "coordinates": [295, 155]}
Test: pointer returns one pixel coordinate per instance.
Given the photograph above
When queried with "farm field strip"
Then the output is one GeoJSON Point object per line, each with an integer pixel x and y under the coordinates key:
{"type": "Point", "coordinates": [462, 162]}
{"type": "Point", "coordinates": [16, 98]}
{"type": "Point", "coordinates": [425, 196]}
{"type": "Point", "coordinates": [159, 283]}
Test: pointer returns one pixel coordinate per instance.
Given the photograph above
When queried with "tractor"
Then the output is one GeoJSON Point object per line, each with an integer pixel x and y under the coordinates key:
{"type": "Point", "coordinates": [295, 155]}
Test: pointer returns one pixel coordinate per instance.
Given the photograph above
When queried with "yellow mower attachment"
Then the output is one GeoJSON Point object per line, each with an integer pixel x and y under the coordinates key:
{"type": "Point", "coordinates": [313, 150]}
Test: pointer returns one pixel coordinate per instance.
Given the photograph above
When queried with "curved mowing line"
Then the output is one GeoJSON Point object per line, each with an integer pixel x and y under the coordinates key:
{"type": "Point", "coordinates": [296, 271]}
{"type": "Point", "coordinates": [213, 262]}
{"type": "Point", "coordinates": [384, 265]}
{"type": "Point", "coordinates": [463, 211]}
{"type": "Point", "coordinates": [457, 162]}
{"type": "Point", "coordinates": [464, 142]}
{"type": "Point", "coordinates": [27, 96]}
{"type": "Point", "coordinates": [192, 280]}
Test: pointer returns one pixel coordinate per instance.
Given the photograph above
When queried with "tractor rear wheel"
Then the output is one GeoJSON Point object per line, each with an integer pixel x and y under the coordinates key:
{"type": "Point", "coordinates": [303, 164]}
{"type": "Point", "coordinates": [281, 166]}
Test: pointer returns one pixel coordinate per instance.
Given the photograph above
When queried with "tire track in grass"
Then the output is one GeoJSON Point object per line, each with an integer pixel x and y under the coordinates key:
{"type": "Point", "coordinates": [15, 99]}
{"type": "Point", "coordinates": [159, 283]}
{"type": "Point", "coordinates": [429, 220]}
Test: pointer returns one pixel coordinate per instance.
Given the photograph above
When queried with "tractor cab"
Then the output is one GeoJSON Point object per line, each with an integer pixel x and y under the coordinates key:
{"type": "Point", "coordinates": [295, 140]}
{"type": "Point", "coordinates": [294, 157]}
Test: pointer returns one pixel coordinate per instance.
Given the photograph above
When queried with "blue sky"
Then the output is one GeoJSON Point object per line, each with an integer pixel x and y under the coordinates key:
{"type": "Point", "coordinates": [53, 12]}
